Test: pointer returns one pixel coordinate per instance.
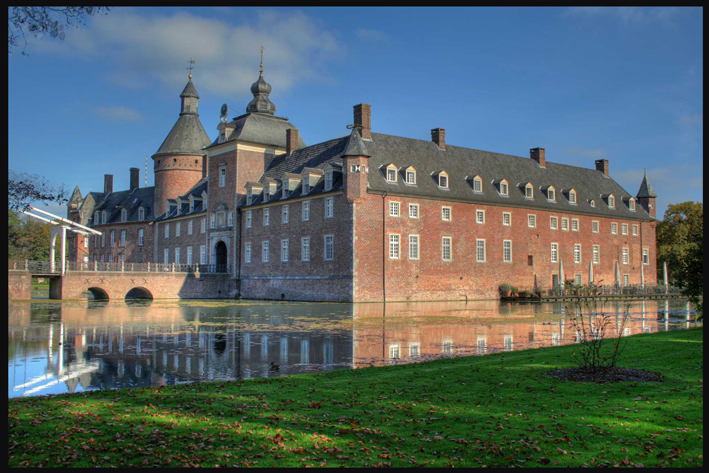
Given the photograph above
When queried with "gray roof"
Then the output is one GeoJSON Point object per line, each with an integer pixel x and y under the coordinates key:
{"type": "Point", "coordinates": [186, 137]}
{"type": "Point", "coordinates": [462, 165]}
{"type": "Point", "coordinates": [262, 129]}
{"type": "Point", "coordinates": [355, 145]}
{"type": "Point", "coordinates": [190, 90]}
{"type": "Point", "coordinates": [646, 189]}
{"type": "Point", "coordinates": [131, 201]}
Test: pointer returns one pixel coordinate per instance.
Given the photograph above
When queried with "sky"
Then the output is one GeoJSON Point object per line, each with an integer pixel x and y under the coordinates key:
{"type": "Point", "coordinates": [623, 84]}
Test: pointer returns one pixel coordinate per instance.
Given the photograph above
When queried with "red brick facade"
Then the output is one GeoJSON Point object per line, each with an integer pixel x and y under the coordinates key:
{"type": "Point", "coordinates": [131, 250]}
{"type": "Point", "coordinates": [174, 176]}
{"type": "Point", "coordinates": [170, 240]}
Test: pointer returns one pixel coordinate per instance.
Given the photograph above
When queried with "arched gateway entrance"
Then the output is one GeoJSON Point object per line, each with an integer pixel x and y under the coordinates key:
{"type": "Point", "coordinates": [222, 260]}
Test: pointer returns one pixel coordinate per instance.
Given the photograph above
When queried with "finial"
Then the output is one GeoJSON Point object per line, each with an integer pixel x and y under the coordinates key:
{"type": "Point", "coordinates": [261, 69]}
{"type": "Point", "coordinates": [190, 68]}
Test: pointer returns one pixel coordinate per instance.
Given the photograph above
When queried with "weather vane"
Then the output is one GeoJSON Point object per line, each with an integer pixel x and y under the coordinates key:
{"type": "Point", "coordinates": [261, 69]}
{"type": "Point", "coordinates": [190, 68]}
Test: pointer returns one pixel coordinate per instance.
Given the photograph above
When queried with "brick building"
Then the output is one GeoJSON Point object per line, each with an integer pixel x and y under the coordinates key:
{"type": "Point", "coordinates": [369, 216]}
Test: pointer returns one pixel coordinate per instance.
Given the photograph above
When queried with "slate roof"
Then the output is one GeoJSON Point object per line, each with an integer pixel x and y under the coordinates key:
{"type": "Point", "coordinates": [195, 191]}
{"type": "Point", "coordinates": [462, 165]}
{"type": "Point", "coordinates": [262, 129]}
{"type": "Point", "coordinates": [646, 189]}
{"type": "Point", "coordinates": [186, 137]}
{"type": "Point", "coordinates": [131, 201]}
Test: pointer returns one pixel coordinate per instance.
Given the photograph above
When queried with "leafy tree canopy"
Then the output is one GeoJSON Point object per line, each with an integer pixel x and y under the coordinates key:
{"type": "Point", "coordinates": [24, 189]}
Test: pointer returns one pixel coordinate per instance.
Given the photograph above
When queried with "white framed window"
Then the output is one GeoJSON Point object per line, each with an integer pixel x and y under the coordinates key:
{"type": "Point", "coordinates": [531, 220]}
{"type": "Point", "coordinates": [103, 239]}
{"type": "Point", "coordinates": [266, 217]}
{"type": "Point", "coordinates": [230, 219]}
{"type": "Point", "coordinates": [565, 224]}
{"type": "Point", "coordinates": [574, 224]}
{"type": "Point", "coordinates": [529, 191]}
{"type": "Point", "coordinates": [113, 238]}
{"type": "Point", "coordinates": [577, 279]}
{"type": "Point", "coordinates": [393, 209]}
{"type": "Point", "coordinates": [592, 203]}
{"type": "Point", "coordinates": [305, 249]}
{"type": "Point", "coordinates": [141, 235]}
{"type": "Point", "coordinates": [624, 229]}
{"type": "Point", "coordinates": [265, 251]}
{"type": "Point", "coordinates": [104, 216]}
{"type": "Point", "coordinates": [414, 349]}
{"type": "Point", "coordinates": [480, 251]}
{"type": "Point", "coordinates": [507, 251]}
{"type": "Point", "coordinates": [123, 238]}
{"type": "Point", "coordinates": [393, 246]}
{"type": "Point", "coordinates": [189, 227]}
{"type": "Point", "coordinates": [446, 214]}
{"type": "Point", "coordinates": [413, 211]}
{"type": "Point", "coordinates": [247, 252]}
{"type": "Point", "coordinates": [391, 174]}
{"type": "Point", "coordinates": [614, 228]}
{"type": "Point", "coordinates": [141, 213]}
{"type": "Point", "coordinates": [596, 254]}
{"type": "Point", "coordinates": [110, 258]}
{"type": "Point", "coordinates": [626, 256]}
{"type": "Point", "coordinates": [329, 207]}
{"type": "Point", "coordinates": [102, 255]}
{"type": "Point", "coordinates": [611, 201]}
{"type": "Point", "coordinates": [595, 226]}
{"type": "Point", "coordinates": [96, 221]}
{"type": "Point", "coordinates": [166, 256]}
{"type": "Point", "coordinates": [413, 247]}
{"type": "Point", "coordinates": [203, 254]}
{"type": "Point", "coordinates": [411, 177]}
{"type": "Point", "coordinates": [124, 215]}
{"type": "Point", "coordinates": [328, 181]}
{"type": "Point", "coordinates": [284, 214]}
{"type": "Point", "coordinates": [306, 210]}
{"type": "Point", "coordinates": [177, 228]}
{"type": "Point", "coordinates": [203, 229]}
{"type": "Point", "coordinates": [635, 230]}
{"type": "Point", "coordinates": [504, 188]}
{"type": "Point", "coordinates": [626, 282]}
{"type": "Point", "coordinates": [266, 193]}
{"type": "Point", "coordinates": [213, 221]}
{"type": "Point", "coordinates": [572, 197]}
{"type": "Point", "coordinates": [306, 185]}
{"type": "Point", "coordinates": [507, 343]}
{"type": "Point", "coordinates": [577, 253]}
{"type": "Point", "coordinates": [479, 216]}
{"type": "Point", "coordinates": [329, 247]}
{"type": "Point", "coordinates": [249, 197]}
{"type": "Point", "coordinates": [554, 223]}
{"type": "Point", "coordinates": [394, 351]}
{"type": "Point", "coordinates": [482, 344]}
{"type": "Point", "coordinates": [443, 180]}
{"type": "Point", "coordinates": [222, 176]}
{"type": "Point", "coordinates": [646, 256]}
{"type": "Point", "coordinates": [554, 258]}
{"type": "Point", "coordinates": [631, 204]}
{"type": "Point", "coordinates": [507, 219]}
{"type": "Point", "coordinates": [551, 195]}
{"type": "Point", "coordinates": [284, 251]}
{"type": "Point", "coordinates": [478, 185]}
{"type": "Point", "coordinates": [446, 252]}
{"type": "Point", "coordinates": [177, 256]}
{"type": "Point", "coordinates": [189, 255]}
{"type": "Point", "coordinates": [248, 219]}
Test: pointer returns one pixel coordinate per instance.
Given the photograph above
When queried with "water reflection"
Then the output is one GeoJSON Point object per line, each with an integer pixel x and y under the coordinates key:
{"type": "Point", "coordinates": [58, 347]}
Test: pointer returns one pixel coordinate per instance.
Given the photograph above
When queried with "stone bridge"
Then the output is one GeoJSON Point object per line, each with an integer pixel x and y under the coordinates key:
{"type": "Point", "coordinates": [108, 282]}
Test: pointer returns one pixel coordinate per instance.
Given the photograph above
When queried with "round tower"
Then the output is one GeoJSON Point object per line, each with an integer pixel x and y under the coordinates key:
{"type": "Point", "coordinates": [179, 163]}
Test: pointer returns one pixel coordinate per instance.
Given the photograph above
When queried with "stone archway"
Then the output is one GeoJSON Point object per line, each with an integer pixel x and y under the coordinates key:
{"type": "Point", "coordinates": [139, 293]}
{"type": "Point", "coordinates": [98, 293]}
{"type": "Point", "coordinates": [222, 256]}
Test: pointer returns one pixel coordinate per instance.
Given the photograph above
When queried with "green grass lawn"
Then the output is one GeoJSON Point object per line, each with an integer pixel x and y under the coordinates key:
{"type": "Point", "coordinates": [493, 410]}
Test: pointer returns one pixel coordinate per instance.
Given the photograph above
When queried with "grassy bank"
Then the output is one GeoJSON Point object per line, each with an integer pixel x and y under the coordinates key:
{"type": "Point", "coordinates": [494, 410]}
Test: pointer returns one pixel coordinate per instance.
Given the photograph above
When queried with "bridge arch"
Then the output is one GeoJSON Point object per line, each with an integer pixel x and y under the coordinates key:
{"type": "Point", "coordinates": [98, 293]}
{"type": "Point", "coordinates": [139, 293]}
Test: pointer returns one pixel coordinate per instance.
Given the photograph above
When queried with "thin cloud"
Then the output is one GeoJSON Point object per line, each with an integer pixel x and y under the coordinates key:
{"type": "Point", "coordinates": [119, 113]}
{"type": "Point", "coordinates": [628, 15]}
{"type": "Point", "coordinates": [227, 54]}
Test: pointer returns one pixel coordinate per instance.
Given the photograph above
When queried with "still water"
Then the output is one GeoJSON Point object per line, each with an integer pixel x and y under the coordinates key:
{"type": "Point", "coordinates": [60, 347]}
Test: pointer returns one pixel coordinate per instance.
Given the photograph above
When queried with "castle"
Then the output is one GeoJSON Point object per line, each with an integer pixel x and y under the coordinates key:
{"type": "Point", "coordinates": [367, 216]}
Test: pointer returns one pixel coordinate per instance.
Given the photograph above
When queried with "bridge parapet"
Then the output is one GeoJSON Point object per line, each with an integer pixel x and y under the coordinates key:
{"type": "Point", "coordinates": [44, 267]}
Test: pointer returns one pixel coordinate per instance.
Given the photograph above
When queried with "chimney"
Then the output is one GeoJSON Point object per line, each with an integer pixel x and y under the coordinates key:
{"type": "Point", "coordinates": [438, 136]}
{"type": "Point", "coordinates": [291, 140]}
{"type": "Point", "coordinates": [107, 184]}
{"type": "Point", "coordinates": [538, 155]}
{"type": "Point", "coordinates": [363, 120]}
{"type": "Point", "coordinates": [602, 165]}
{"type": "Point", "coordinates": [134, 178]}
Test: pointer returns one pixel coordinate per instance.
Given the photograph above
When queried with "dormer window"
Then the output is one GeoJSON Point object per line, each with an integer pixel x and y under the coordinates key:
{"type": "Point", "coordinates": [306, 186]}
{"type": "Point", "coordinates": [249, 197]}
{"type": "Point", "coordinates": [391, 173]}
{"type": "Point", "coordinates": [96, 222]}
{"type": "Point", "coordinates": [411, 176]}
{"type": "Point", "coordinates": [443, 180]}
{"type": "Point", "coordinates": [551, 194]}
{"type": "Point", "coordinates": [504, 188]}
{"type": "Point", "coordinates": [631, 204]}
{"type": "Point", "coordinates": [266, 194]}
{"type": "Point", "coordinates": [529, 191]}
{"type": "Point", "coordinates": [593, 203]}
{"type": "Point", "coordinates": [104, 216]}
{"type": "Point", "coordinates": [478, 185]}
{"type": "Point", "coordinates": [124, 215]}
{"type": "Point", "coordinates": [611, 201]}
{"type": "Point", "coordinates": [141, 213]}
{"type": "Point", "coordinates": [328, 181]}
{"type": "Point", "coordinates": [572, 197]}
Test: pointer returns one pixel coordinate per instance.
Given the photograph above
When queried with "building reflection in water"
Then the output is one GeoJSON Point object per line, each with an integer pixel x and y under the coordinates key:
{"type": "Point", "coordinates": [68, 347]}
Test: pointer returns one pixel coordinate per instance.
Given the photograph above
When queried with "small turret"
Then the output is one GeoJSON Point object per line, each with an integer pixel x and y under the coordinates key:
{"type": "Point", "coordinates": [261, 90]}
{"type": "Point", "coordinates": [646, 196]}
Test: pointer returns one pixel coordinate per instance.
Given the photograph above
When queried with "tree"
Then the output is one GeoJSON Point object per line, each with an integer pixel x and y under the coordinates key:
{"type": "Point", "coordinates": [678, 234]}
{"type": "Point", "coordinates": [691, 276]}
{"type": "Point", "coordinates": [40, 20]}
{"type": "Point", "coordinates": [24, 189]}
{"type": "Point", "coordinates": [27, 239]}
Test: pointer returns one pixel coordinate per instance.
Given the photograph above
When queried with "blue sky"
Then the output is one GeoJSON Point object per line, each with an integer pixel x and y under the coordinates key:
{"type": "Point", "coordinates": [623, 84]}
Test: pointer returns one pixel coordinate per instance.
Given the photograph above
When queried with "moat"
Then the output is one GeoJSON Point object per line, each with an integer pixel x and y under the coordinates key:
{"type": "Point", "coordinates": [59, 347]}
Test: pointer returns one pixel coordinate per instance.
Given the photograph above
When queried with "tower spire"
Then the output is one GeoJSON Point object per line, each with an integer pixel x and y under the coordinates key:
{"type": "Point", "coordinates": [261, 89]}
{"type": "Point", "coordinates": [192, 67]}
{"type": "Point", "coordinates": [261, 68]}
